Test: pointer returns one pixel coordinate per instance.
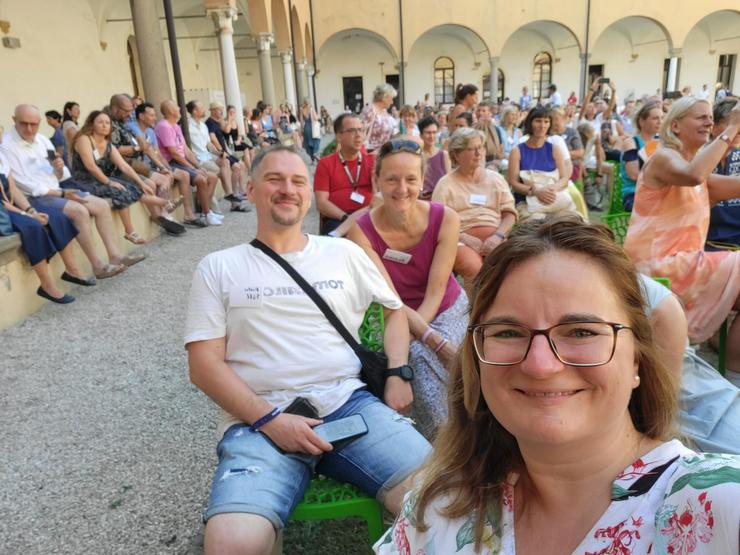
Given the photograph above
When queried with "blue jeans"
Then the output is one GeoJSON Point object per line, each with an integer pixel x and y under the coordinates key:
{"type": "Point", "coordinates": [254, 476]}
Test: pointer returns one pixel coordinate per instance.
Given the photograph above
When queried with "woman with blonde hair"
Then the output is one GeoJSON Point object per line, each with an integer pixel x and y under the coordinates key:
{"type": "Point", "coordinates": [561, 415]}
{"type": "Point", "coordinates": [378, 123]}
{"type": "Point", "coordinates": [670, 219]}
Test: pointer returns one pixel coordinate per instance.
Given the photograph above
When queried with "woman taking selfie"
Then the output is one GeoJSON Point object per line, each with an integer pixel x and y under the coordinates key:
{"type": "Point", "coordinates": [560, 420]}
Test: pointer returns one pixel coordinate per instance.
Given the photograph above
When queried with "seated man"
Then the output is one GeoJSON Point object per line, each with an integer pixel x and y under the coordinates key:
{"type": "Point", "coordinates": [256, 343]}
{"type": "Point", "coordinates": [143, 130]}
{"type": "Point", "coordinates": [38, 170]}
{"type": "Point", "coordinates": [231, 168]}
{"type": "Point", "coordinates": [121, 109]}
{"type": "Point", "coordinates": [200, 142]}
{"type": "Point", "coordinates": [343, 180]}
{"type": "Point", "coordinates": [179, 156]}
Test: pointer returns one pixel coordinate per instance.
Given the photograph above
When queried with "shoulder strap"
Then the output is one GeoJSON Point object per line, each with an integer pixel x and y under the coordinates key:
{"type": "Point", "coordinates": [311, 292]}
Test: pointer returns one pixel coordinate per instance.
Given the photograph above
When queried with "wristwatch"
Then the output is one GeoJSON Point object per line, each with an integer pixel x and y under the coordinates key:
{"type": "Point", "coordinates": [405, 372]}
{"type": "Point", "coordinates": [726, 138]}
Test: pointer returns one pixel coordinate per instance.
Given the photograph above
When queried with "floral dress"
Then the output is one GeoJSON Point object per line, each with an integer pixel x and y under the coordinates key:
{"type": "Point", "coordinates": [379, 127]}
{"type": "Point", "coordinates": [670, 501]}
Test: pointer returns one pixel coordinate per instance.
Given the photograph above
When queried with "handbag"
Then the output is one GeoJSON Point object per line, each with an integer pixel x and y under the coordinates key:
{"type": "Point", "coordinates": [374, 364]}
{"type": "Point", "coordinates": [315, 129]}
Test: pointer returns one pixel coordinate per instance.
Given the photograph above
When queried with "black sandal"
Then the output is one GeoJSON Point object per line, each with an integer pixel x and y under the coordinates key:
{"type": "Point", "coordinates": [78, 281]}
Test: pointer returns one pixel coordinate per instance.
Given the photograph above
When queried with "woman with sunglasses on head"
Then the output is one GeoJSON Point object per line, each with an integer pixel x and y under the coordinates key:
{"type": "Point", "coordinates": [413, 243]}
{"type": "Point", "coordinates": [482, 199]}
{"type": "Point", "coordinates": [561, 417]}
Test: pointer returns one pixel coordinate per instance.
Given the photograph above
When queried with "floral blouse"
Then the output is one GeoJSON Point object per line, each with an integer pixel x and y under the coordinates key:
{"type": "Point", "coordinates": [379, 127]}
{"type": "Point", "coordinates": [670, 501]}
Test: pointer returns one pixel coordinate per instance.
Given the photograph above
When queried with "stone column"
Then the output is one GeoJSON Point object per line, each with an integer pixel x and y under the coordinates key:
{"type": "Point", "coordinates": [302, 81]}
{"type": "Point", "coordinates": [286, 56]}
{"type": "Point", "coordinates": [311, 71]}
{"type": "Point", "coordinates": [584, 76]}
{"type": "Point", "coordinates": [494, 78]}
{"type": "Point", "coordinates": [223, 19]}
{"type": "Point", "coordinates": [148, 33]}
{"type": "Point", "coordinates": [673, 69]}
{"type": "Point", "coordinates": [264, 42]}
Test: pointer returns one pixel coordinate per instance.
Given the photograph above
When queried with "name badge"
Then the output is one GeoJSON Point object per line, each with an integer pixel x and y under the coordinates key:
{"type": "Point", "coordinates": [245, 297]}
{"type": "Point", "coordinates": [397, 256]}
{"type": "Point", "coordinates": [357, 197]}
{"type": "Point", "coordinates": [480, 200]}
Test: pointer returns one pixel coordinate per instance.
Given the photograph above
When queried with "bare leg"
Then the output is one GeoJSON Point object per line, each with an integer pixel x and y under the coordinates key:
{"type": "Point", "coordinates": [394, 498]}
{"type": "Point", "coordinates": [183, 182]}
{"type": "Point", "coordinates": [225, 172]}
{"type": "Point", "coordinates": [104, 223]}
{"type": "Point", "coordinates": [204, 190]}
{"type": "Point", "coordinates": [125, 215]}
{"type": "Point", "coordinates": [237, 176]}
{"type": "Point", "coordinates": [239, 534]}
{"type": "Point", "coordinates": [80, 217]}
{"type": "Point", "coordinates": [70, 264]}
{"type": "Point", "coordinates": [47, 282]}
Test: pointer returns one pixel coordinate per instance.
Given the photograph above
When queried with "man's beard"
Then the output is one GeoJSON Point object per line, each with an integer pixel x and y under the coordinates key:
{"type": "Point", "coordinates": [287, 220]}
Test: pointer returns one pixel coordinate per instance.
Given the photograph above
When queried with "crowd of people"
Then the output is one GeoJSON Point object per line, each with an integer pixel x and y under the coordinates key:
{"type": "Point", "coordinates": [469, 226]}
{"type": "Point", "coordinates": [119, 155]}
{"type": "Point", "coordinates": [465, 225]}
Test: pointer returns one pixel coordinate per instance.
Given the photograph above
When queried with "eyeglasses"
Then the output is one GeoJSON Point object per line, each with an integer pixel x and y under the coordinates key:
{"type": "Point", "coordinates": [399, 145]}
{"type": "Point", "coordinates": [353, 130]}
{"type": "Point", "coordinates": [474, 149]}
{"type": "Point", "coordinates": [573, 343]}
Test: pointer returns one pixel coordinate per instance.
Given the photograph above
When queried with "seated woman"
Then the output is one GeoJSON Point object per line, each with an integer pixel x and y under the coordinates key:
{"type": "Point", "coordinates": [481, 198]}
{"type": "Point", "coordinates": [237, 141]}
{"type": "Point", "coordinates": [561, 417]}
{"type": "Point", "coordinates": [42, 236]}
{"type": "Point", "coordinates": [670, 217]}
{"type": "Point", "coordinates": [97, 168]}
{"type": "Point", "coordinates": [537, 172]}
{"type": "Point", "coordinates": [510, 129]}
{"type": "Point", "coordinates": [413, 244]}
{"type": "Point", "coordinates": [437, 160]}
{"type": "Point", "coordinates": [637, 149]}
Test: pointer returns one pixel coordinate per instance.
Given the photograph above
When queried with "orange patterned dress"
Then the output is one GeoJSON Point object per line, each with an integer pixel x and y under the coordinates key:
{"type": "Point", "coordinates": [665, 238]}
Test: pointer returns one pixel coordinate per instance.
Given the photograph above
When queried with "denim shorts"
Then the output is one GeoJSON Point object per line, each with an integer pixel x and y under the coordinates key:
{"type": "Point", "coordinates": [253, 476]}
{"type": "Point", "coordinates": [192, 172]}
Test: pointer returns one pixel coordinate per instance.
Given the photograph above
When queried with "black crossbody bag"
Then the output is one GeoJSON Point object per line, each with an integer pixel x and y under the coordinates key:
{"type": "Point", "coordinates": [374, 364]}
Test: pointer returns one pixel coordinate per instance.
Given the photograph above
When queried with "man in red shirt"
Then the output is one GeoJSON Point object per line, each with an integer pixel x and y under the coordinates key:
{"type": "Point", "coordinates": [343, 180]}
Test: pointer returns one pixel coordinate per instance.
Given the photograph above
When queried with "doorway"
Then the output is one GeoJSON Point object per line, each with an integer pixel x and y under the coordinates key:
{"type": "Point", "coordinates": [354, 100]}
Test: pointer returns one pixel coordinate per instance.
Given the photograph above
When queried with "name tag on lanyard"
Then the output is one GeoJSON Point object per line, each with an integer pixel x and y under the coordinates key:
{"type": "Point", "coordinates": [357, 197]}
{"type": "Point", "coordinates": [397, 256]}
{"type": "Point", "coordinates": [354, 181]}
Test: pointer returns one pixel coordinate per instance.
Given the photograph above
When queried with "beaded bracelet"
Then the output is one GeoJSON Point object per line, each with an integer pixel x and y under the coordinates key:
{"type": "Point", "coordinates": [429, 331]}
{"type": "Point", "coordinates": [265, 419]}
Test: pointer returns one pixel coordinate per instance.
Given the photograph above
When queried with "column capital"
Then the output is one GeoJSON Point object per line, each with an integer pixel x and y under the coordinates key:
{"type": "Point", "coordinates": [495, 59]}
{"type": "Point", "coordinates": [311, 70]}
{"type": "Point", "coordinates": [223, 18]}
{"type": "Point", "coordinates": [264, 41]}
{"type": "Point", "coordinates": [674, 52]}
{"type": "Point", "coordinates": [584, 57]}
{"type": "Point", "coordinates": [286, 56]}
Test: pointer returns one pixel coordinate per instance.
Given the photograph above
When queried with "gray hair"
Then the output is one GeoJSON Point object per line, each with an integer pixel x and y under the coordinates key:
{"type": "Point", "coordinates": [678, 111]}
{"type": "Point", "coordinates": [381, 91]}
{"type": "Point", "coordinates": [265, 152]}
{"type": "Point", "coordinates": [461, 138]}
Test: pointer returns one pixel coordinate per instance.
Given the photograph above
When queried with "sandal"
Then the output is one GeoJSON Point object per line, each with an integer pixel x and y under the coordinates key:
{"type": "Point", "coordinates": [109, 270]}
{"type": "Point", "coordinates": [135, 238]}
{"type": "Point", "coordinates": [173, 205]}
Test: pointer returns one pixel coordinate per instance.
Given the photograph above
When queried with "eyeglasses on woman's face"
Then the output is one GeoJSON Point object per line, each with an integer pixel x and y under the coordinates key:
{"type": "Point", "coordinates": [581, 344]}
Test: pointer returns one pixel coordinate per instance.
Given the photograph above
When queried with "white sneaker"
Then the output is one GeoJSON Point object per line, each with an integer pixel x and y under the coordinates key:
{"type": "Point", "coordinates": [212, 219]}
{"type": "Point", "coordinates": [216, 215]}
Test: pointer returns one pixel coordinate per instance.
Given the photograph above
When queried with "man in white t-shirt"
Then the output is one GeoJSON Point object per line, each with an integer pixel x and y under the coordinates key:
{"type": "Point", "coordinates": [256, 342]}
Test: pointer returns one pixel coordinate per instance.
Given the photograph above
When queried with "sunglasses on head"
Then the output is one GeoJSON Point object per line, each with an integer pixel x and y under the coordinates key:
{"type": "Point", "coordinates": [399, 145]}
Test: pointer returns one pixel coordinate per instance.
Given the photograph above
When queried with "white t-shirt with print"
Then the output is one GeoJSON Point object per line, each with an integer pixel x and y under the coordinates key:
{"type": "Point", "coordinates": [277, 339]}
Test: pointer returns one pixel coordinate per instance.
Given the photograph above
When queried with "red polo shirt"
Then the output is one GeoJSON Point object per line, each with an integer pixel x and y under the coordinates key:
{"type": "Point", "coordinates": [331, 177]}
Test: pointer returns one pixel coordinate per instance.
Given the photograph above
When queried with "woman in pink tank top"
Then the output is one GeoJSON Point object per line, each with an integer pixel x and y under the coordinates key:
{"type": "Point", "coordinates": [413, 243]}
{"type": "Point", "coordinates": [670, 219]}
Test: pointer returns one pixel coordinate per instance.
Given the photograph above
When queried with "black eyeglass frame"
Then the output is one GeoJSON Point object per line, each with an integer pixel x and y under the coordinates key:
{"type": "Point", "coordinates": [546, 332]}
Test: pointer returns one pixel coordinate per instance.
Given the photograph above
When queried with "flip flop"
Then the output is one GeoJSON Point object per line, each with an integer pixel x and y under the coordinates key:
{"type": "Point", "coordinates": [133, 258]}
{"type": "Point", "coordinates": [66, 299]}
{"type": "Point", "coordinates": [89, 282]}
{"type": "Point", "coordinates": [110, 270]}
{"type": "Point", "coordinates": [171, 226]}
{"type": "Point", "coordinates": [135, 238]}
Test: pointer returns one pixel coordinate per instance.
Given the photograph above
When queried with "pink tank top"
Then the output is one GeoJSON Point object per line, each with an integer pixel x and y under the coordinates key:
{"type": "Point", "coordinates": [410, 280]}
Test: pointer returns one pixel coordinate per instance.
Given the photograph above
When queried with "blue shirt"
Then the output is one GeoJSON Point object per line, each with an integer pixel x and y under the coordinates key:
{"type": "Point", "coordinates": [57, 139]}
{"type": "Point", "coordinates": [724, 223]}
{"type": "Point", "coordinates": [151, 137]}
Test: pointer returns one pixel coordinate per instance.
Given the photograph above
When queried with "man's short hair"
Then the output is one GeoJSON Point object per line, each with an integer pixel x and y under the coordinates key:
{"type": "Point", "coordinates": [467, 116]}
{"type": "Point", "coordinates": [339, 121]}
{"type": "Point", "coordinates": [262, 154]}
{"type": "Point", "coordinates": [53, 114]}
{"type": "Point", "coordinates": [190, 106]}
{"type": "Point", "coordinates": [487, 104]}
{"type": "Point", "coordinates": [215, 105]}
{"type": "Point", "coordinates": [723, 107]}
{"type": "Point", "coordinates": [141, 108]}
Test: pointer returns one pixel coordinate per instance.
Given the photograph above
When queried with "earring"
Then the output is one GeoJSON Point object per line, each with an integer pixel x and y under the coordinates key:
{"type": "Point", "coordinates": [637, 380]}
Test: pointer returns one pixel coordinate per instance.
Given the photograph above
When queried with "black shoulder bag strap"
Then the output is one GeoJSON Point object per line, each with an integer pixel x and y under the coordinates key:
{"type": "Point", "coordinates": [311, 292]}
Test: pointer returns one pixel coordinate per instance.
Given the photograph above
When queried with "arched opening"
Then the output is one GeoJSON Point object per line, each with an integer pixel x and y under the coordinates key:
{"type": "Point", "coordinates": [442, 57]}
{"type": "Point", "coordinates": [538, 54]}
{"type": "Point", "coordinates": [634, 52]}
{"type": "Point", "coordinates": [347, 82]}
{"type": "Point", "coordinates": [709, 54]}
{"type": "Point", "coordinates": [280, 25]}
{"type": "Point", "coordinates": [299, 47]}
{"type": "Point", "coordinates": [444, 80]}
{"type": "Point", "coordinates": [541, 74]}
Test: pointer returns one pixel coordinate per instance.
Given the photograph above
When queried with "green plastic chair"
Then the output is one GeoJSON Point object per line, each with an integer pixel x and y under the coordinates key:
{"type": "Point", "coordinates": [618, 223]}
{"type": "Point", "coordinates": [615, 195]}
{"type": "Point", "coordinates": [327, 499]}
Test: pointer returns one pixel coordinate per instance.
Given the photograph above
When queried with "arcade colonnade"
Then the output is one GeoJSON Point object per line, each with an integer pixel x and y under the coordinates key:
{"type": "Point", "coordinates": [334, 52]}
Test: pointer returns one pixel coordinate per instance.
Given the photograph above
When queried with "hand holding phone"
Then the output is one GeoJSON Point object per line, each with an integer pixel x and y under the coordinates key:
{"type": "Point", "coordinates": [603, 81]}
{"type": "Point", "coordinates": [342, 431]}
